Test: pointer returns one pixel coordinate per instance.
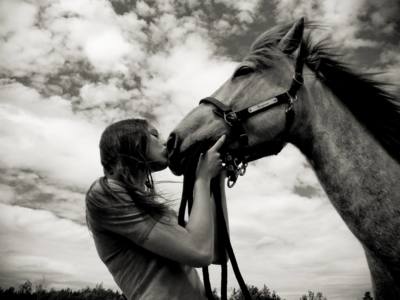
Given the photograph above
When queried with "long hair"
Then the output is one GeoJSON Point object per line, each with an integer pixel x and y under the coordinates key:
{"type": "Point", "coordinates": [123, 147]}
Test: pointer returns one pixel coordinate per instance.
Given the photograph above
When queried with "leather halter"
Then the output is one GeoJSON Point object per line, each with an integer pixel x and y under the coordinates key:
{"type": "Point", "coordinates": [236, 163]}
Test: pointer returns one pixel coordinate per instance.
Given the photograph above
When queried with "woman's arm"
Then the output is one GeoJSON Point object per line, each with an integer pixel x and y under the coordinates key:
{"type": "Point", "coordinates": [194, 244]}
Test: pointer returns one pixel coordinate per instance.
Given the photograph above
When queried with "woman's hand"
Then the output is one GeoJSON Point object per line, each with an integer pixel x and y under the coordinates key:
{"type": "Point", "coordinates": [210, 163]}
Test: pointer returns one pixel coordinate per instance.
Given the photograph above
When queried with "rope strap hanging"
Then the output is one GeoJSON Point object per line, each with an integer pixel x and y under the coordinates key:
{"type": "Point", "coordinates": [225, 244]}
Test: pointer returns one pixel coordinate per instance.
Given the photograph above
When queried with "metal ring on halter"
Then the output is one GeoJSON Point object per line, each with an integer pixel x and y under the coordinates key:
{"type": "Point", "coordinates": [230, 117]}
{"type": "Point", "coordinates": [242, 169]}
{"type": "Point", "coordinates": [231, 182]}
{"type": "Point", "coordinates": [236, 162]}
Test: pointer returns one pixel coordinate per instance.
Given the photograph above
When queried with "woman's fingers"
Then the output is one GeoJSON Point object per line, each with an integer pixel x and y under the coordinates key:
{"type": "Point", "coordinates": [201, 157]}
{"type": "Point", "coordinates": [210, 162]}
{"type": "Point", "coordinates": [218, 144]}
{"type": "Point", "coordinates": [215, 156]}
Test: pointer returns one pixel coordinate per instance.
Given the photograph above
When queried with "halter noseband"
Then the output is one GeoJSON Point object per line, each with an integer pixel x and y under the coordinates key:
{"type": "Point", "coordinates": [236, 164]}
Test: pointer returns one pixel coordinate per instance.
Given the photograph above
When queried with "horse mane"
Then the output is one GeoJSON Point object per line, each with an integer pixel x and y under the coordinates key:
{"type": "Point", "coordinates": [366, 98]}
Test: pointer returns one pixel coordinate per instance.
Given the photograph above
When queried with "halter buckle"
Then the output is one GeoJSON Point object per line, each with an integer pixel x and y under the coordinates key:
{"type": "Point", "coordinates": [291, 101]}
{"type": "Point", "coordinates": [231, 182]}
{"type": "Point", "coordinates": [230, 117]}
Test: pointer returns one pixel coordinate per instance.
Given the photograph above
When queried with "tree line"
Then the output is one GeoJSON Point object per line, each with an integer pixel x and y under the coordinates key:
{"type": "Point", "coordinates": [27, 291]}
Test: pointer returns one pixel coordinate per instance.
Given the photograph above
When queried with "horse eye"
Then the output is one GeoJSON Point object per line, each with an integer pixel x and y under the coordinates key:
{"type": "Point", "coordinates": [244, 70]}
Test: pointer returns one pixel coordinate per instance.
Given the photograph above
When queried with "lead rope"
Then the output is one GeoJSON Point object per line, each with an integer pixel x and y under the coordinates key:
{"type": "Point", "coordinates": [225, 245]}
{"type": "Point", "coordinates": [216, 190]}
{"type": "Point", "coordinates": [187, 201]}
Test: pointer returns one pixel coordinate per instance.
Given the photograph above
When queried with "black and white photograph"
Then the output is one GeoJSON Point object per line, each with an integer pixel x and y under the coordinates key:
{"type": "Point", "coordinates": [194, 150]}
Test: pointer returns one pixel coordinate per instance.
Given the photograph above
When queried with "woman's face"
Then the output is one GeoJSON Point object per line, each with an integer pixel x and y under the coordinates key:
{"type": "Point", "coordinates": [156, 151]}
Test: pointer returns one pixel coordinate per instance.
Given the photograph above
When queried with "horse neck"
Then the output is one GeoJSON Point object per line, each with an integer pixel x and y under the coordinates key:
{"type": "Point", "coordinates": [360, 178]}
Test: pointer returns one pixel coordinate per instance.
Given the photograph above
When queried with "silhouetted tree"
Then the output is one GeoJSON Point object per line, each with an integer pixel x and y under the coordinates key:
{"type": "Point", "coordinates": [255, 293]}
{"type": "Point", "coordinates": [367, 296]}
{"type": "Point", "coordinates": [313, 296]}
{"type": "Point", "coordinates": [25, 288]}
{"type": "Point", "coordinates": [26, 292]}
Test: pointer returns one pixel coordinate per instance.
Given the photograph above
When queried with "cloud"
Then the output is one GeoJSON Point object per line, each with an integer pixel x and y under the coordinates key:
{"type": "Point", "coordinates": [245, 10]}
{"type": "Point", "coordinates": [184, 75]}
{"type": "Point", "coordinates": [94, 32]}
{"type": "Point", "coordinates": [83, 39]}
{"type": "Point", "coordinates": [348, 21]}
{"type": "Point", "coordinates": [105, 50]}
{"type": "Point", "coordinates": [28, 189]}
{"type": "Point", "coordinates": [95, 95]}
{"type": "Point", "coordinates": [144, 10]}
{"type": "Point", "coordinates": [60, 251]}
{"type": "Point", "coordinates": [46, 136]}
{"type": "Point", "coordinates": [16, 15]}
{"type": "Point", "coordinates": [7, 193]}
{"type": "Point", "coordinates": [25, 48]}
{"type": "Point", "coordinates": [34, 119]}
{"type": "Point", "coordinates": [383, 16]}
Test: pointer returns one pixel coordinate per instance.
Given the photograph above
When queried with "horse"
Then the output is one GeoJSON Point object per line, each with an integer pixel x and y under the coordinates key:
{"type": "Point", "coordinates": [344, 122]}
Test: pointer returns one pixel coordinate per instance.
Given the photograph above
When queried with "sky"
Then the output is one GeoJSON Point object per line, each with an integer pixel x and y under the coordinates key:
{"type": "Point", "coordinates": [70, 67]}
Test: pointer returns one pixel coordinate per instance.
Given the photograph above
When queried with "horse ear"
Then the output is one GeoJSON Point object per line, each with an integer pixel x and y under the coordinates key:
{"type": "Point", "coordinates": [292, 39]}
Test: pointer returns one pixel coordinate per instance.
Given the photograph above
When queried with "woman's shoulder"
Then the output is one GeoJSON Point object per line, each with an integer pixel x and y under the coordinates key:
{"type": "Point", "coordinates": [95, 186]}
{"type": "Point", "coordinates": [95, 193]}
{"type": "Point", "coordinates": [106, 192]}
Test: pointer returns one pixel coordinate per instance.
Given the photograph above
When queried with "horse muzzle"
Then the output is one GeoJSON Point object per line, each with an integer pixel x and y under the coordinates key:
{"type": "Point", "coordinates": [175, 159]}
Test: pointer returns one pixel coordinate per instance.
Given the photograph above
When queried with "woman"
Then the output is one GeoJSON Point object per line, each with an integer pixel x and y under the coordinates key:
{"type": "Point", "coordinates": [136, 236]}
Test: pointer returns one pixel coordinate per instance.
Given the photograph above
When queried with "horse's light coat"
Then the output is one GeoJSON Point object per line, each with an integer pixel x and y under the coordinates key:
{"type": "Point", "coordinates": [359, 173]}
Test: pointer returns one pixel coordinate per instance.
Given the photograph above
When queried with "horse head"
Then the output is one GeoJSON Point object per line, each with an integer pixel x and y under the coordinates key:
{"type": "Point", "coordinates": [261, 126]}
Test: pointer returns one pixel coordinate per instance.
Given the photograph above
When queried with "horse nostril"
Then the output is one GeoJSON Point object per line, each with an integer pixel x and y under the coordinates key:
{"type": "Point", "coordinates": [172, 142]}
